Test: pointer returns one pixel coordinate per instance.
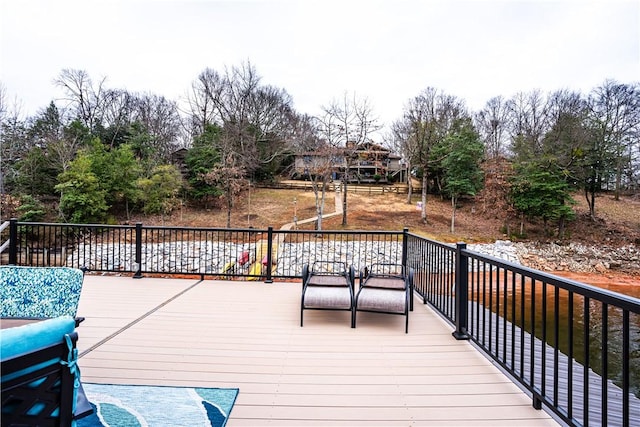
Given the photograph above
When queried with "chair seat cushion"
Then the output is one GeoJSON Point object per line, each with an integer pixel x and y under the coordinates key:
{"type": "Point", "coordinates": [386, 282]}
{"type": "Point", "coordinates": [334, 297]}
{"type": "Point", "coordinates": [327, 280]}
{"type": "Point", "coordinates": [382, 300]}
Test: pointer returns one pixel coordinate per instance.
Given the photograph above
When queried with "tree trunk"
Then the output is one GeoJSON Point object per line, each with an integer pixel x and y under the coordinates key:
{"type": "Point", "coordinates": [590, 195]}
{"type": "Point", "coordinates": [229, 207]}
{"type": "Point", "coordinates": [409, 184]}
{"type": "Point", "coordinates": [616, 191]}
{"type": "Point", "coordinates": [344, 198]}
{"type": "Point", "coordinates": [453, 214]}
{"type": "Point", "coordinates": [320, 198]}
{"type": "Point", "coordinates": [320, 210]}
{"type": "Point", "coordinates": [423, 213]}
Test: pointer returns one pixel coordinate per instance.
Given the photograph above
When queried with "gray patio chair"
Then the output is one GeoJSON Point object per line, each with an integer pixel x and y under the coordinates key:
{"type": "Point", "coordinates": [385, 288]}
{"type": "Point", "coordinates": [327, 285]}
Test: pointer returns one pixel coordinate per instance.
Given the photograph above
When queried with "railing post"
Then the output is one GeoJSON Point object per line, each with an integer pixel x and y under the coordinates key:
{"type": "Point", "coordinates": [405, 245]}
{"type": "Point", "coordinates": [13, 241]}
{"type": "Point", "coordinates": [269, 252]}
{"type": "Point", "coordinates": [461, 293]}
{"type": "Point", "coordinates": [405, 255]}
{"type": "Point", "coordinates": [138, 260]}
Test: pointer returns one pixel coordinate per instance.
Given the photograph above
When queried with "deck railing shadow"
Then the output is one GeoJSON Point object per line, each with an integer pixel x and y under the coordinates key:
{"type": "Point", "coordinates": [574, 348]}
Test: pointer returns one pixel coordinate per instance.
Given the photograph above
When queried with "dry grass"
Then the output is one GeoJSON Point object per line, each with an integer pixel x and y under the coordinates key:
{"type": "Point", "coordinates": [618, 221]}
{"type": "Point", "coordinates": [259, 208]}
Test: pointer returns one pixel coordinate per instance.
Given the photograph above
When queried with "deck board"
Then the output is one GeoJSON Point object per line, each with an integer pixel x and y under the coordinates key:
{"type": "Point", "coordinates": [247, 335]}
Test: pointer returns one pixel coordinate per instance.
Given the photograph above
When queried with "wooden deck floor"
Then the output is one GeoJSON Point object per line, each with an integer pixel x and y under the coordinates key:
{"type": "Point", "coordinates": [247, 335]}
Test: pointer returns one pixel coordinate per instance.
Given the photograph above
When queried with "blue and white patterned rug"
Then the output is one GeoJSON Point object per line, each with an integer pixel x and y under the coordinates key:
{"type": "Point", "coordinates": [142, 406]}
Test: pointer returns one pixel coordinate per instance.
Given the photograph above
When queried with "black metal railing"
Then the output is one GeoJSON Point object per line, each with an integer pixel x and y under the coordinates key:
{"type": "Point", "coordinates": [230, 253]}
{"type": "Point", "coordinates": [574, 347]}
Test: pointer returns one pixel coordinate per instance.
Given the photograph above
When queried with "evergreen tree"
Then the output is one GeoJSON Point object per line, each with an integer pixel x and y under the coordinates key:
{"type": "Point", "coordinates": [82, 200]}
{"type": "Point", "coordinates": [159, 192]}
{"type": "Point", "coordinates": [30, 209]}
{"type": "Point", "coordinates": [201, 159]}
{"type": "Point", "coordinates": [539, 193]}
{"type": "Point", "coordinates": [125, 173]}
{"type": "Point", "coordinates": [36, 174]}
{"type": "Point", "coordinates": [118, 172]}
{"type": "Point", "coordinates": [462, 175]}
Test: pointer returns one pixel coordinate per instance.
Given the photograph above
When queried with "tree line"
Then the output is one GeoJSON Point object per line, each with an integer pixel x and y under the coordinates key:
{"type": "Point", "coordinates": [554, 144]}
{"type": "Point", "coordinates": [100, 152]}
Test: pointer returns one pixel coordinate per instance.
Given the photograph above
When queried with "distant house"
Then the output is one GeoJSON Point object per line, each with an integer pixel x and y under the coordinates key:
{"type": "Point", "coordinates": [178, 158]}
{"type": "Point", "coordinates": [367, 163]}
{"type": "Point", "coordinates": [313, 163]}
{"type": "Point", "coordinates": [374, 163]}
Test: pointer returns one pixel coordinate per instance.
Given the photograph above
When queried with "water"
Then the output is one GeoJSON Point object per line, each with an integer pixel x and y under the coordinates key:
{"type": "Point", "coordinates": [565, 318]}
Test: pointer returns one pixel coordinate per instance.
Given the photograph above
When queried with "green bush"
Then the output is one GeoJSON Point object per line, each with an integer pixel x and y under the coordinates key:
{"type": "Point", "coordinates": [30, 209]}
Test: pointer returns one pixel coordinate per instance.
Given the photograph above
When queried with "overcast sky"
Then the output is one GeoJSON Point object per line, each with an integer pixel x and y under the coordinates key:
{"type": "Point", "coordinates": [385, 51]}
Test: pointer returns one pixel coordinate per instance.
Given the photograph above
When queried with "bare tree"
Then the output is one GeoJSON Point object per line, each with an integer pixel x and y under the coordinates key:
{"type": "Point", "coordinates": [427, 119]}
{"type": "Point", "coordinates": [615, 119]}
{"type": "Point", "coordinates": [529, 121]}
{"type": "Point", "coordinates": [160, 119]}
{"type": "Point", "coordinates": [85, 98]}
{"type": "Point", "coordinates": [305, 133]}
{"type": "Point", "coordinates": [118, 111]}
{"type": "Point", "coordinates": [47, 131]}
{"type": "Point", "coordinates": [200, 100]}
{"type": "Point", "coordinates": [492, 122]}
{"type": "Point", "coordinates": [568, 134]}
{"type": "Point", "coordinates": [320, 161]}
{"type": "Point", "coordinates": [256, 119]}
{"type": "Point", "coordinates": [230, 178]}
{"type": "Point", "coordinates": [347, 123]}
{"type": "Point", "coordinates": [402, 142]}
{"type": "Point", "coordinates": [13, 140]}
{"type": "Point", "coordinates": [231, 99]}
{"type": "Point", "coordinates": [319, 169]}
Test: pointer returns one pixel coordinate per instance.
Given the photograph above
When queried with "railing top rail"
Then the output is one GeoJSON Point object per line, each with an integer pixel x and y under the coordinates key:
{"type": "Point", "coordinates": [604, 295]}
{"type": "Point", "coordinates": [218, 229]}
{"type": "Point", "coordinates": [334, 232]}
{"type": "Point", "coordinates": [443, 245]}
{"type": "Point", "coordinates": [62, 224]}
{"type": "Point", "coordinates": [222, 229]}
